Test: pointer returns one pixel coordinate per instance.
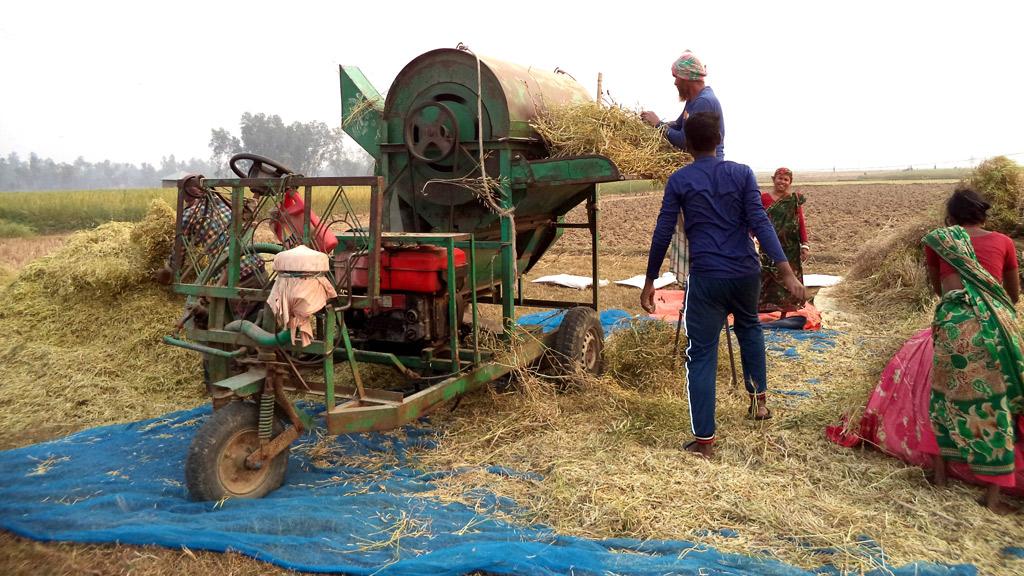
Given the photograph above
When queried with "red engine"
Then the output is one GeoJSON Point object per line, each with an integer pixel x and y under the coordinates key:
{"type": "Point", "coordinates": [415, 302]}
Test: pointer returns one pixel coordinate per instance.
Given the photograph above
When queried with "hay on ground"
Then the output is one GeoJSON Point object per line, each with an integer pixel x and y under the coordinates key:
{"type": "Point", "coordinates": [608, 464]}
{"type": "Point", "coordinates": [80, 334]}
{"type": "Point", "coordinates": [588, 128]}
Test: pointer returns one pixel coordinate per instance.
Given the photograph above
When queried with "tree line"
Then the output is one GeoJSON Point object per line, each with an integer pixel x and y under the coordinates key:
{"type": "Point", "coordinates": [310, 148]}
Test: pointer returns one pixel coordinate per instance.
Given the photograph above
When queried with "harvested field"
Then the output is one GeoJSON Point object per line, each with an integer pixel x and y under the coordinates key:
{"type": "Point", "coordinates": [609, 452]}
{"type": "Point", "coordinates": [840, 219]}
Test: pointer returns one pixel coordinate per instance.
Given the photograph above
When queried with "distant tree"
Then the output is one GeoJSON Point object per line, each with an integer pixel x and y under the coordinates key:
{"type": "Point", "coordinates": [309, 148]}
{"type": "Point", "coordinates": [38, 173]}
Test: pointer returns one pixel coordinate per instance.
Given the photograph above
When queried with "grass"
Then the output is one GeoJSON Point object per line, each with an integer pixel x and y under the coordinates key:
{"type": "Point", "coordinates": [26, 213]}
{"type": "Point", "coordinates": [626, 187]}
{"type": "Point", "coordinates": [10, 229]}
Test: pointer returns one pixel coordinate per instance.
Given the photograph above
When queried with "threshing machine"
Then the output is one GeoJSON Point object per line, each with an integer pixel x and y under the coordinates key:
{"type": "Point", "coordinates": [464, 202]}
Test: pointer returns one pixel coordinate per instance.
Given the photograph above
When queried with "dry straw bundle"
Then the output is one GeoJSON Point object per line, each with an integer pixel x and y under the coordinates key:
{"type": "Point", "coordinates": [80, 341]}
{"type": "Point", "coordinates": [589, 128]}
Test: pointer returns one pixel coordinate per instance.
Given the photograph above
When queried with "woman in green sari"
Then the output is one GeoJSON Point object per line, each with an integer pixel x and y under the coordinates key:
{"type": "Point", "coordinates": [785, 209]}
{"type": "Point", "coordinates": [977, 388]}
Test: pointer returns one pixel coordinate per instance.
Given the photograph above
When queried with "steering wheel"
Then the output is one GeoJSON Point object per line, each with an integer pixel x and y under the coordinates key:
{"type": "Point", "coordinates": [262, 167]}
{"type": "Point", "coordinates": [440, 134]}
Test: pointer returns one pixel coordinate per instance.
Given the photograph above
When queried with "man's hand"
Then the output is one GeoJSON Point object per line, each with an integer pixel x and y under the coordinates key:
{"type": "Point", "coordinates": [647, 296]}
{"type": "Point", "coordinates": [790, 281]}
{"type": "Point", "coordinates": [650, 118]}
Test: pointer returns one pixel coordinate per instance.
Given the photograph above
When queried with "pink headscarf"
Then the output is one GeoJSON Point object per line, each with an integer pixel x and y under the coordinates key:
{"type": "Point", "coordinates": [688, 67]}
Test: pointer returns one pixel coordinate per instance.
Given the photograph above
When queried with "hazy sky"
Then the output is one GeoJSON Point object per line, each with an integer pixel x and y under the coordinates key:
{"type": "Point", "coordinates": [810, 85]}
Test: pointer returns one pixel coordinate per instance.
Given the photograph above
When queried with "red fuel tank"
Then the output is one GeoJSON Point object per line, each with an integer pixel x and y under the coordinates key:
{"type": "Point", "coordinates": [409, 269]}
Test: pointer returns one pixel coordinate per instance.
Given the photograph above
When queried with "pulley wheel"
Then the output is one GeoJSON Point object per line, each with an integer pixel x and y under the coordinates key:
{"type": "Point", "coordinates": [431, 132]}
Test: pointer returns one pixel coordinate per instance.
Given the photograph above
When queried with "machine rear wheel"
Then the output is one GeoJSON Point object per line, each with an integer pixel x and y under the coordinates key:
{"type": "Point", "coordinates": [215, 467]}
{"type": "Point", "coordinates": [579, 342]}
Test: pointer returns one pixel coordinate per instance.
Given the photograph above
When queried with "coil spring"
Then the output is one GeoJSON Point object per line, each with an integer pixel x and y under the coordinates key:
{"type": "Point", "coordinates": [266, 414]}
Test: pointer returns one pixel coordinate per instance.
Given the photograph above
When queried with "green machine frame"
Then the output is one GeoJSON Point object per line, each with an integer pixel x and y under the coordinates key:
{"type": "Point", "coordinates": [226, 342]}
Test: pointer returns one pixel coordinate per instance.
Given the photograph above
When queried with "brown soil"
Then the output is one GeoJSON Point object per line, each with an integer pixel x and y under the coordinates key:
{"type": "Point", "coordinates": [839, 217]}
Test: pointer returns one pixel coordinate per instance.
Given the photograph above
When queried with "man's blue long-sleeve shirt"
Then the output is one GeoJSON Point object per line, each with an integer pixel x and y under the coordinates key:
{"type": "Point", "coordinates": [721, 206]}
{"type": "Point", "coordinates": [706, 101]}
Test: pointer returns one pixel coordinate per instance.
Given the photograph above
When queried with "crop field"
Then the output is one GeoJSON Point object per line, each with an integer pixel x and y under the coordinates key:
{"type": "Point", "coordinates": [27, 213]}
{"type": "Point", "coordinates": [609, 452]}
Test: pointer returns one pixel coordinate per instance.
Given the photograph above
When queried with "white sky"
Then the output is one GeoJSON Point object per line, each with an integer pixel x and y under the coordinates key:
{"type": "Point", "coordinates": [810, 85]}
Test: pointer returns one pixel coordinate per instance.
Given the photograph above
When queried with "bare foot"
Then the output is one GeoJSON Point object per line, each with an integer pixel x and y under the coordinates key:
{"type": "Point", "coordinates": [703, 450]}
{"type": "Point", "coordinates": [994, 502]}
{"type": "Point", "coordinates": [940, 476]}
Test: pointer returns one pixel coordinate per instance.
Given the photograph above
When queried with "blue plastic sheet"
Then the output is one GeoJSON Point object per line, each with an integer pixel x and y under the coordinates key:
{"type": "Point", "coordinates": [125, 484]}
{"type": "Point", "coordinates": [548, 320]}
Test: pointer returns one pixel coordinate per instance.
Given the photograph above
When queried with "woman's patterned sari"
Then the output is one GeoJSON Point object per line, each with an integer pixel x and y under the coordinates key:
{"type": "Point", "coordinates": [784, 216]}
{"type": "Point", "coordinates": [978, 373]}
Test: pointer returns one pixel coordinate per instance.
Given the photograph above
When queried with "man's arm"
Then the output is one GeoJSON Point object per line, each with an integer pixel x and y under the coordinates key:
{"type": "Point", "coordinates": [757, 218]}
{"type": "Point", "coordinates": [674, 130]}
{"type": "Point", "coordinates": [663, 230]}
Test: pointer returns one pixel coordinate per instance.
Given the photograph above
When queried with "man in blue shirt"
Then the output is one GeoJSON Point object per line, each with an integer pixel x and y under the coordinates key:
{"type": "Point", "coordinates": [721, 206]}
{"type": "Point", "coordinates": [689, 75]}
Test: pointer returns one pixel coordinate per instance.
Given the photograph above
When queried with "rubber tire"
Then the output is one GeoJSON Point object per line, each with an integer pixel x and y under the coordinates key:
{"type": "Point", "coordinates": [578, 323]}
{"type": "Point", "coordinates": [202, 477]}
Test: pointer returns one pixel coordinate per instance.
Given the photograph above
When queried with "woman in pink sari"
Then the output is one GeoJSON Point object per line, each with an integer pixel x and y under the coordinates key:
{"type": "Point", "coordinates": [920, 392]}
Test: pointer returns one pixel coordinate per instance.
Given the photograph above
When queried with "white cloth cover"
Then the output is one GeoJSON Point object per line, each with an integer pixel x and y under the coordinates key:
{"type": "Point", "coordinates": [295, 300]}
{"type": "Point", "coordinates": [302, 259]}
{"type": "Point", "coordinates": [639, 280]}
{"type": "Point", "coordinates": [570, 281]}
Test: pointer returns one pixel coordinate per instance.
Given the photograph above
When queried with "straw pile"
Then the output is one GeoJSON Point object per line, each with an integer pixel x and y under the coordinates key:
{"type": "Point", "coordinates": [80, 335]}
{"type": "Point", "coordinates": [1001, 181]}
{"type": "Point", "coordinates": [888, 277]}
{"type": "Point", "coordinates": [588, 128]}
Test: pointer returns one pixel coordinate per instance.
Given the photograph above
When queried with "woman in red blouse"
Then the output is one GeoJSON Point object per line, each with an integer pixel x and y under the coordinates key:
{"type": "Point", "coordinates": [785, 209]}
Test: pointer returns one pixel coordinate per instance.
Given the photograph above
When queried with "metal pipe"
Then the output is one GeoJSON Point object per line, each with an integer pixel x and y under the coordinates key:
{"type": "Point", "coordinates": [259, 335]}
{"type": "Point", "coordinates": [204, 349]}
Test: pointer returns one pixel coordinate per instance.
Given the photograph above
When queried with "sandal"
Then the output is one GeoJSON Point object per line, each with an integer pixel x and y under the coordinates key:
{"type": "Point", "coordinates": [704, 449]}
{"type": "Point", "coordinates": [758, 401]}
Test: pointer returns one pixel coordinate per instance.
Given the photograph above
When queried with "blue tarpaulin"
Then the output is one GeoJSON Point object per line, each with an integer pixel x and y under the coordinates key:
{"type": "Point", "coordinates": [372, 514]}
{"type": "Point", "coordinates": [124, 484]}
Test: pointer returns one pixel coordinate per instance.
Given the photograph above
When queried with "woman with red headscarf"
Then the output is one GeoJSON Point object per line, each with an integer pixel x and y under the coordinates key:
{"type": "Point", "coordinates": [785, 209]}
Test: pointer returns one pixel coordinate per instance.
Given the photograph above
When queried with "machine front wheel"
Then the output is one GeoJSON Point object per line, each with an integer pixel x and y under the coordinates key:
{"type": "Point", "coordinates": [215, 467]}
{"type": "Point", "coordinates": [579, 342]}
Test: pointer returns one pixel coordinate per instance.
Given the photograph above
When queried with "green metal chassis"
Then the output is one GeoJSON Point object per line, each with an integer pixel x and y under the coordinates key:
{"type": "Point", "coordinates": [359, 409]}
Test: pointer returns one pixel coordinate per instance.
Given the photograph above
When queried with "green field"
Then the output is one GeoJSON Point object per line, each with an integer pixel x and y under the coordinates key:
{"type": "Point", "coordinates": [27, 213]}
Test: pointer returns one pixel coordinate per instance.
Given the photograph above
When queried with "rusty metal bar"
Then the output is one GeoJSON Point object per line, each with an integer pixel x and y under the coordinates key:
{"type": "Point", "coordinates": [296, 181]}
{"type": "Point", "coordinates": [373, 258]}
